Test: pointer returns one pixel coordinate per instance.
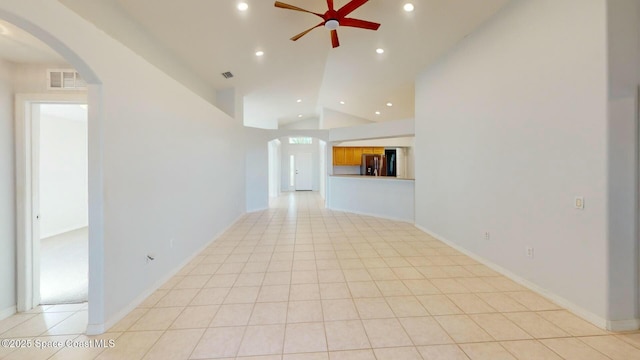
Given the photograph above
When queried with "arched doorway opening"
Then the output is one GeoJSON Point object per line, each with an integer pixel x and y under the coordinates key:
{"type": "Point", "coordinates": [24, 189]}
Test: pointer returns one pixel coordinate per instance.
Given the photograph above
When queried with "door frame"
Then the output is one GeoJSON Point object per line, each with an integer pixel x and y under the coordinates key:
{"type": "Point", "coordinates": [27, 229]}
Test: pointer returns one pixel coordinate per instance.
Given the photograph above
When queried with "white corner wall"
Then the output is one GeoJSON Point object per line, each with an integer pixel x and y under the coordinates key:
{"type": "Point", "coordinates": [306, 124]}
{"type": "Point", "coordinates": [510, 127]}
{"type": "Point", "coordinates": [7, 194]}
{"type": "Point", "coordinates": [332, 119]}
{"type": "Point", "coordinates": [623, 31]}
{"type": "Point", "coordinates": [63, 175]}
{"type": "Point", "coordinates": [159, 151]}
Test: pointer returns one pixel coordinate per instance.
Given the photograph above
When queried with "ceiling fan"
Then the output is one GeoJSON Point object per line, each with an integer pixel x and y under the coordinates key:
{"type": "Point", "coordinates": [332, 19]}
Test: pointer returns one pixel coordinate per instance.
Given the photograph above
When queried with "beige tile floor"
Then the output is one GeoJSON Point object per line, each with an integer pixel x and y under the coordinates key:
{"type": "Point", "coordinates": [302, 282]}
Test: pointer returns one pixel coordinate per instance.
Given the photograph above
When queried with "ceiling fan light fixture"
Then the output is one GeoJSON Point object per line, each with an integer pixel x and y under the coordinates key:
{"type": "Point", "coordinates": [331, 24]}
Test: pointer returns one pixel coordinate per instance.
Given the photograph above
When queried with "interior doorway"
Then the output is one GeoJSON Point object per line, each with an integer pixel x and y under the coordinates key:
{"type": "Point", "coordinates": [61, 174]}
{"type": "Point", "coordinates": [51, 145]}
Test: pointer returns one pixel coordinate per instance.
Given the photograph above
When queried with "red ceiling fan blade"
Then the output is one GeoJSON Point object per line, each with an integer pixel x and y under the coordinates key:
{"type": "Point", "coordinates": [357, 23]}
{"type": "Point", "coordinates": [330, 4]}
{"type": "Point", "coordinates": [350, 7]}
{"type": "Point", "coordinates": [305, 32]}
{"type": "Point", "coordinates": [282, 5]}
{"type": "Point", "coordinates": [334, 39]}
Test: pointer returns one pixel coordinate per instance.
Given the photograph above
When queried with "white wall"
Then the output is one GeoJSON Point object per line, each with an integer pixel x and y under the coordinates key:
{"type": "Point", "coordinates": [332, 119]}
{"type": "Point", "coordinates": [158, 150]}
{"type": "Point", "coordinates": [275, 164]}
{"type": "Point", "coordinates": [7, 194]}
{"type": "Point", "coordinates": [510, 127]}
{"type": "Point", "coordinates": [388, 143]}
{"type": "Point", "coordinates": [410, 161]}
{"type": "Point", "coordinates": [623, 21]}
{"type": "Point", "coordinates": [322, 148]}
{"type": "Point", "coordinates": [306, 124]}
{"type": "Point", "coordinates": [346, 170]}
{"type": "Point", "coordinates": [256, 167]}
{"type": "Point", "coordinates": [379, 130]}
{"type": "Point", "coordinates": [63, 175]}
{"type": "Point", "coordinates": [32, 79]}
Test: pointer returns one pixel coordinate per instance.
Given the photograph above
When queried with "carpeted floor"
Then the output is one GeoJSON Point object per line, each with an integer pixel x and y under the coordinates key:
{"type": "Point", "coordinates": [64, 263]}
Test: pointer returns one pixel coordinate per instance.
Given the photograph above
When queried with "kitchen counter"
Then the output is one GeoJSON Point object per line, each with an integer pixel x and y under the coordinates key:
{"type": "Point", "coordinates": [365, 177]}
{"type": "Point", "coordinates": [381, 196]}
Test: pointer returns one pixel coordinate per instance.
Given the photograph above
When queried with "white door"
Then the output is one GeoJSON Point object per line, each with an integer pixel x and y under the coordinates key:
{"type": "Point", "coordinates": [304, 180]}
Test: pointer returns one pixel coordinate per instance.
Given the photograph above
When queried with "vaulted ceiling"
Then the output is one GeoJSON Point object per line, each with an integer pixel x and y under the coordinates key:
{"type": "Point", "coordinates": [197, 40]}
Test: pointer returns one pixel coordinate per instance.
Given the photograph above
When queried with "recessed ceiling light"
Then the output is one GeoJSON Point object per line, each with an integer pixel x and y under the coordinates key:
{"type": "Point", "coordinates": [299, 100]}
{"type": "Point", "coordinates": [389, 104]}
{"type": "Point", "coordinates": [408, 7]}
{"type": "Point", "coordinates": [259, 53]}
{"type": "Point", "coordinates": [299, 115]}
{"type": "Point", "coordinates": [341, 102]}
{"type": "Point", "coordinates": [380, 51]}
{"type": "Point", "coordinates": [243, 6]}
{"type": "Point", "coordinates": [377, 112]}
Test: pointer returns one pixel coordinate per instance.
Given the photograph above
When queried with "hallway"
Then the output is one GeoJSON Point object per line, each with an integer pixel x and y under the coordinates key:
{"type": "Point", "coordinates": [302, 282]}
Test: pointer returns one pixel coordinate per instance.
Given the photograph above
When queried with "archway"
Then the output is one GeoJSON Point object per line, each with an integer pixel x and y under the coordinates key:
{"type": "Point", "coordinates": [25, 215]}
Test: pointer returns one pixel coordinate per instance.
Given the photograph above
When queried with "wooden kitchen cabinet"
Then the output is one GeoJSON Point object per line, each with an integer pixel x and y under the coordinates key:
{"type": "Point", "coordinates": [349, 156]}
{"type": "Point", "coordinates": [357, 156]}
{"type": "Point", "coordinates": [339, 156]}
{"type": "Point", "coordinates": [352, 156]}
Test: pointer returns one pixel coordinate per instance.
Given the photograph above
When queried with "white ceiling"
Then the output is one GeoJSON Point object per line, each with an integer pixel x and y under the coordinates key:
{"type": "Point", "coordinates": [207, 37]}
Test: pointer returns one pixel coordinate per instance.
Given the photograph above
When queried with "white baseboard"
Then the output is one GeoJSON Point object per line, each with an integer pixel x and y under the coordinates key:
{"type": "Point", "coordinates": [619, 325]}
{"type": "Point", "coordinates": [623, 325]}
{"type": "Point", "coordinates": [410, 221]}
{"type": "Point", "coordinates": [5, 313]}
{"type": "Point", "coordinates": [98, 329]}
{"type": "Point", "coordinates": [93, 330]}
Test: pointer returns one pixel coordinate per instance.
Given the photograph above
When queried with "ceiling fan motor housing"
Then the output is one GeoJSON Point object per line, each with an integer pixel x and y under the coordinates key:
{"type": "Point", "coordinates": [332, 24]}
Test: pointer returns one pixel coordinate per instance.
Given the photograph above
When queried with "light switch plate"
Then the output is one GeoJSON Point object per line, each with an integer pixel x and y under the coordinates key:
{"type": "Point", "coordinates": [579, 203]}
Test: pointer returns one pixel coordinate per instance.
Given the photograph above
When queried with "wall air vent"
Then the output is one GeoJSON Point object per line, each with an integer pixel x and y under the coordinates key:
{"type": "Point", "coordinates": [65, 79]}
{"type": "Point", "coordinates": [227, 75]}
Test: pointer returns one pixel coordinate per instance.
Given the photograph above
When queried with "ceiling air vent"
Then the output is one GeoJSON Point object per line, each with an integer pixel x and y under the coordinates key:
{"type": "Point", "coordinates": [65, 79]}
{"type": "Point", "coordinates": [227, 75]}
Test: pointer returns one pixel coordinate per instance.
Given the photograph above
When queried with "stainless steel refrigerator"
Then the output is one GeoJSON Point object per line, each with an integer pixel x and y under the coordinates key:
{"type": "Point", "coordinates": [373, 165]}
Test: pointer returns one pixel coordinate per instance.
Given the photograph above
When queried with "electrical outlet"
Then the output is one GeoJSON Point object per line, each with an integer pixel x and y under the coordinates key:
{"type": "Point", "coordinates": [578, 202]}
{"type": "Point", "coordinates": [529, 252]}
{"type": "Point", "coordinates": [487, 235]}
